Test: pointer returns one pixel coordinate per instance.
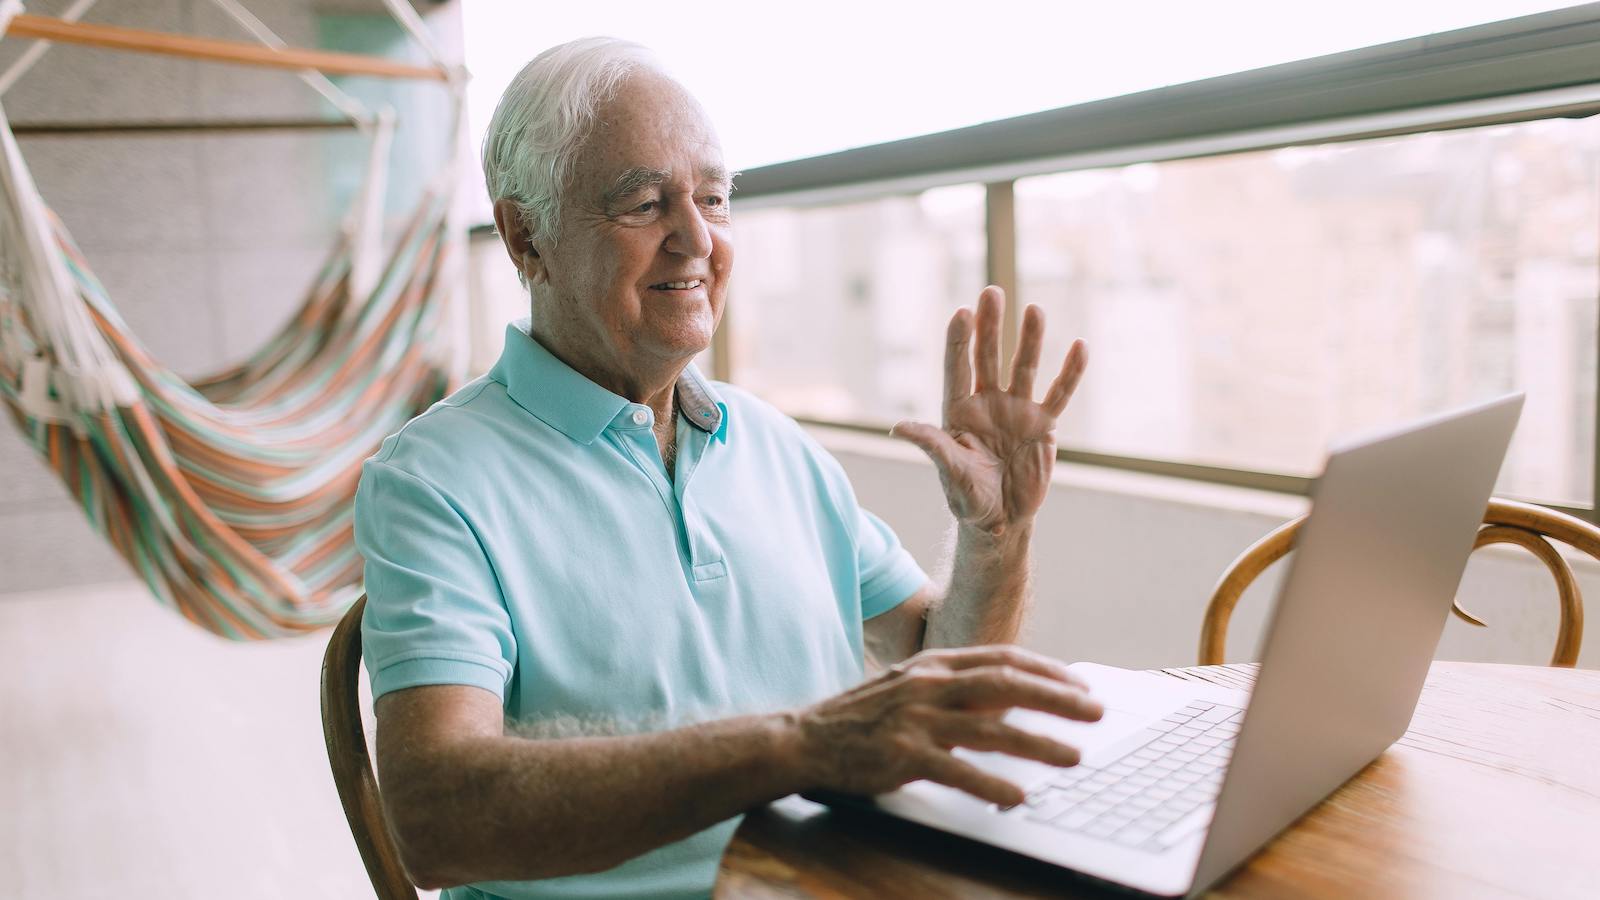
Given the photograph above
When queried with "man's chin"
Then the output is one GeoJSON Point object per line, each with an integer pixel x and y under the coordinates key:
{"type": "Point", "coordinates": [682, 340]}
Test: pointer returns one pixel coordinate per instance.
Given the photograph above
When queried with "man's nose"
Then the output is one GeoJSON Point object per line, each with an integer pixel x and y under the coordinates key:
{"type": "Point", "coordinates": [690, 235]}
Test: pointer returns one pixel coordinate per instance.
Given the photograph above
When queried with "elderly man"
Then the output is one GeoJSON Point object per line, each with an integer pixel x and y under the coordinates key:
{"type": "Point", "coordinates": [613, 605]}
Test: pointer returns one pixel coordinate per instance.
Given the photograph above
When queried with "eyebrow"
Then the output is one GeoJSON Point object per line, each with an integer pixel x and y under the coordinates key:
{"type": "Point", "coordinates": [636, 179]}
{"type": "Point", "coordinates": [632, 182]}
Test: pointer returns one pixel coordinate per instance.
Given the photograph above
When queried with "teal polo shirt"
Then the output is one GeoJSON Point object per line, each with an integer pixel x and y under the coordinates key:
{"type": "Point", "coordinates": [522, 536]}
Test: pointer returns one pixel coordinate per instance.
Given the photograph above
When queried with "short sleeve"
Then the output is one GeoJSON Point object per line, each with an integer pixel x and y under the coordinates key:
{"type": "Point", "coordinates": [434, 614]}
{"type": "Point", "coordinates": [889, 576]}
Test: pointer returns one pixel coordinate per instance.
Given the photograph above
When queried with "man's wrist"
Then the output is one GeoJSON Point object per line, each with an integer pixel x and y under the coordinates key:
{"type": "Point", "coordinates": [793, 761]}
{"type": "Point", "coordinates": [1010, 540]}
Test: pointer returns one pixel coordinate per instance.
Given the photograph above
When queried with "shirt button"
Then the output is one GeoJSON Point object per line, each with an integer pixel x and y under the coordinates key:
{"type": "Point", "coordinates": [640, 417]}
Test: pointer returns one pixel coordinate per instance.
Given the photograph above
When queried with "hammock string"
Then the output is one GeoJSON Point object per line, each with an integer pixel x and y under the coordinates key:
{"type": "Point", "coordinates": [230, 496]}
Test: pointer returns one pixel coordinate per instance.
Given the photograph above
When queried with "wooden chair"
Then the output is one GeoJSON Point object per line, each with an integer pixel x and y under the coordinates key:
{"type": "Point", "coordinates": [1505, 522]}
{"type": "Point", "coordinates": [352, 764]}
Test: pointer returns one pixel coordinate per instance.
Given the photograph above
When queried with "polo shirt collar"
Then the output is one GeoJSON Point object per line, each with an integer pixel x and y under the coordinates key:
{"type": "Point", "coordinates": [564, 399]}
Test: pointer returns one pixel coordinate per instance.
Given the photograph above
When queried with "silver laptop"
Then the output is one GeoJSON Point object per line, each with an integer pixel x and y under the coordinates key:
{"type": "Point", "coordinates": [1182, 782]}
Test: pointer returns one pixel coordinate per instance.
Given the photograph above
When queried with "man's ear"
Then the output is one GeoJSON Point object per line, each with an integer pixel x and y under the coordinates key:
{"type": "Point", "coordinates": [518, 240]}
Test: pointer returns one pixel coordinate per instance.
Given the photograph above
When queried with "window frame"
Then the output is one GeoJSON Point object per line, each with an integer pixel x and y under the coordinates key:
{"type": "Point", "coordinates": [1533, 67]}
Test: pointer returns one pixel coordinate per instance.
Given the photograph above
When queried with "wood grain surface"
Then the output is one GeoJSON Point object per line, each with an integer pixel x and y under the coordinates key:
{"type": "Point", "coordinates": [1494, 791]}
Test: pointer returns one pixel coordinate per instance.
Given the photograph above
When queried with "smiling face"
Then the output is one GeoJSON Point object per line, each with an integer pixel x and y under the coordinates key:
{"type": "Point", "coordinates": [635, 281]}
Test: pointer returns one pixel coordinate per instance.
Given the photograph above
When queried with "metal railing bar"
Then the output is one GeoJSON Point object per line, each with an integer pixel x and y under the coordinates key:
{"type": "Point", "coordinates": [1530, 54]}
{"type": "Point", "coordinates": [1000, 260]}
{"type": "Point", "coordinates": [1573, 102]}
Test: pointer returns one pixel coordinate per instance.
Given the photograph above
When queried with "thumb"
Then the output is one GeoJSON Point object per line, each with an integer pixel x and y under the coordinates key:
{"type": "Point", "coordinates": [936, 442]}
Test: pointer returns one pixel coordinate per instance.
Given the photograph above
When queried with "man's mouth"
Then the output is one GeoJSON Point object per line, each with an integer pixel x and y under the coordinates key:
{"type": "Point", "coordinates": [677, 285]}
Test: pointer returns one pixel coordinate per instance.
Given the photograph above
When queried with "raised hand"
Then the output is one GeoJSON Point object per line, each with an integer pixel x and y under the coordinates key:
{"type": "Point", "coordinates": [997, 447]}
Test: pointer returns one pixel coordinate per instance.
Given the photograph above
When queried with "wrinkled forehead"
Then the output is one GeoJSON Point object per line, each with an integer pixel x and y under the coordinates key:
{"type": "Point", "coordinates": [652, 127]}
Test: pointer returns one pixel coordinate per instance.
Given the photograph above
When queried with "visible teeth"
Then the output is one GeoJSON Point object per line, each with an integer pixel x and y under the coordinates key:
{"type": "Point", "coordinates": [679, 285]}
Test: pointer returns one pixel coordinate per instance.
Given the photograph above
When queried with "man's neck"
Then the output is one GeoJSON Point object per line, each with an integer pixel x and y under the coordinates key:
{"type": "Point", "coordinates": [652, 384]}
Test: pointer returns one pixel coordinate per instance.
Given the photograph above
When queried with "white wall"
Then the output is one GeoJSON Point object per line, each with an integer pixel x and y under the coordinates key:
{"type": "Point", "coordinates": [1125, 563]}
{"type": "Point", "coordinates": [205, 242]}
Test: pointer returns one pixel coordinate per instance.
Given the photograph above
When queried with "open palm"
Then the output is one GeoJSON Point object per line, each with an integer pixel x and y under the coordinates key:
{"type": "Point", "coordinates": [997, 447]}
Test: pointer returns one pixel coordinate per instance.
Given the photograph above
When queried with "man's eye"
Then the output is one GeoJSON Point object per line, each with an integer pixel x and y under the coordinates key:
{"type": "Point", "coordinates": [647, 206]}
{"type": "Point", "coordinates": [716, 200]}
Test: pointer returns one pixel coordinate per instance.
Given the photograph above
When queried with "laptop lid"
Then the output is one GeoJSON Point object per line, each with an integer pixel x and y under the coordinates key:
{"type": "Point", "coordinates": [1348, 645]}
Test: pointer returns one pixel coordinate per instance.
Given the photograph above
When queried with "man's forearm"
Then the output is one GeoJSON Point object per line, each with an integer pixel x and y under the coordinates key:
{"type": "Point", "coordinates": [497, 808]}
{"type": "Point", "coordinates": [989, 590]}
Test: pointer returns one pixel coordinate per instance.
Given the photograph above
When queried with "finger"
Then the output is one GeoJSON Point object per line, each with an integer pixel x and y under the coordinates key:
{"type": "Point", "coordinates": [993, 686]}
{"type": "Point", "coordinates": [945, 769]}
{"type": "Point", "coordinates": [936, 442]}
{"type": "Point", "coordinates": [977, 732]}
{"type": "Point", "coordinates": [1004, 655]}
{"type": "Point", "coordinates": [986, 351]}
{"type": "Point", "coordinates": [957, 360]}
{"type": "Point", "coordinates": [1055, 400]}
{"type": "Point", "coordinates": [1025, 367]}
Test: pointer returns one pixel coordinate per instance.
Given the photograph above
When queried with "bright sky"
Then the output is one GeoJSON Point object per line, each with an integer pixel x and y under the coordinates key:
{"type": "Point", "coordinates": [789, 80]}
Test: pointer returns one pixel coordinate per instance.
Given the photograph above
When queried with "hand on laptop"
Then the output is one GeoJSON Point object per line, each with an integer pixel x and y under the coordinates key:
{"type": "Point", "coordinates": [901, 726]}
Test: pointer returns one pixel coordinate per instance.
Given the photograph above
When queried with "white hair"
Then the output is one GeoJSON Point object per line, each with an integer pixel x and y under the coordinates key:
{"type": "Point", "coordinates": [543, 118]}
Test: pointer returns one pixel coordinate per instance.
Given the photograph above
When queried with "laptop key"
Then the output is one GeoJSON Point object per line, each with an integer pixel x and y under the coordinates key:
{"type": "Point", "coordinates": [1185, 826]}
{"type": "Point", "coordinates": [1127, 810]}
{"type": "Point", "coordinates": [1216, 714]}
{"type": "Point", "coordinates": [1036, 797]}
{"type": "Point", "coordinates": [1072, 819]}
{"type": "Point", "coordinates": [1052, 807]}
{"type": "Point", "coordinates": [1099, 830]}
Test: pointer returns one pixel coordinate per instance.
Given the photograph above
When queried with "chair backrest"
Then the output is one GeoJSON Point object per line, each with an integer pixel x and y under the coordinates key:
{"type": "Point", "coordinates": [352, 764]}
{"type": "Point", "coordinates": [1505, 522]}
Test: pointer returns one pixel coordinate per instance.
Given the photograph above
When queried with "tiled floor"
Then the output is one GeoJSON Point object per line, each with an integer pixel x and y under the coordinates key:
{"type": "Point", "coordinates": [141, 757]}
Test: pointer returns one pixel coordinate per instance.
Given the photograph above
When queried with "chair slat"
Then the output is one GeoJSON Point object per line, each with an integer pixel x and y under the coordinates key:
{"type": "Point", "coordinates": [352, 764]}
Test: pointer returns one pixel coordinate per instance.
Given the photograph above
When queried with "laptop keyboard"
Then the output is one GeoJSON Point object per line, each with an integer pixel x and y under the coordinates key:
{"type": "Point", "coordinates": [1152, 797]}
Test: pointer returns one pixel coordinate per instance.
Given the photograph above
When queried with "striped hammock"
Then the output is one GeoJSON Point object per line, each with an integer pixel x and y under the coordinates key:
{"type": "Point", "coordinates": [230, 497]}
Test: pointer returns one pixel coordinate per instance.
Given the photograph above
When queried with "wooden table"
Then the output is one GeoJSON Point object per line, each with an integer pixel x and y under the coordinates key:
{"type": "Point", "coordinates": [1493, 792]}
